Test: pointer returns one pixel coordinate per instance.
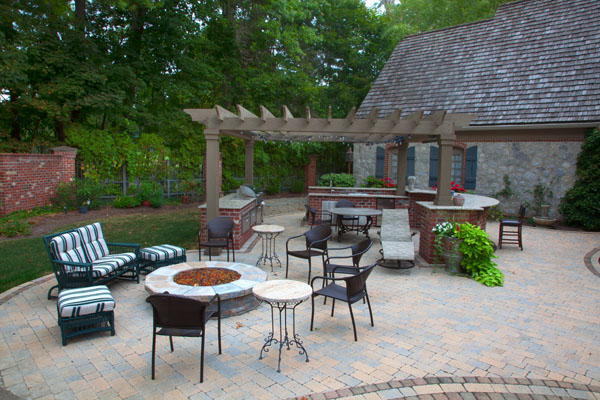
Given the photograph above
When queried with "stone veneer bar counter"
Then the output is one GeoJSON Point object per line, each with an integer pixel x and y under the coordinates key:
{"type": "Point", "coordinates": [474, 211]}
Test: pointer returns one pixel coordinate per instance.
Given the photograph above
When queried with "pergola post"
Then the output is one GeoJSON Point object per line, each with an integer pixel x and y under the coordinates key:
{"type": "Point", "coordinates": [249, 166]}
{"type": "Point", "coordinates": [212, 172]}
{"type": "Point", "coordinates": [443, 196]}
{"type": "Point", "coordinates": [401, 169]}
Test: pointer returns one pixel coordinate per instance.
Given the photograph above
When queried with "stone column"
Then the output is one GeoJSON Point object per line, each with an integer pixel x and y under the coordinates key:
{"type": "Point", "coordinates": [212, 173]}
{"type": "Point", "coordinates": [443, 196]}
{"type": "Point", "coordinates": [401, 169]}
{"type": "Point", "coordinates": [249, 168]}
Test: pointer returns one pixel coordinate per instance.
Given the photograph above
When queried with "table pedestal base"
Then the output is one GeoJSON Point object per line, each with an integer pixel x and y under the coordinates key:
{"type": "Point", "coordinates": [268, 249]}
{"type": "Point", "coordinates": [284, 338]}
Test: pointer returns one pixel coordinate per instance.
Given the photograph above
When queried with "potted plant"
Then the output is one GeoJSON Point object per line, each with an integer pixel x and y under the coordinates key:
{"type": "Point", "coordinates": [472, 246]}
{"type": "Point", "coordinates": [144, 193]}
{"type": "Point", "coordinates": [447, 245]}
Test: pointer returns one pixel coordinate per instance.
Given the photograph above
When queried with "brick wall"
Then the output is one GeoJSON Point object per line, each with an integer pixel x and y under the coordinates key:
{"type": "Point", "coordinates": [31, 180]}
{"type": "Point", "coordinates": [428, 218]}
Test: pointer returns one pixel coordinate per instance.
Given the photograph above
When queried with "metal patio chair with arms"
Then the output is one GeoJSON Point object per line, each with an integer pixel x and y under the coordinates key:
{"type": "Point", "coordinates": [315, 246]}
{"type": "Point", "coordinates": [219, 233]}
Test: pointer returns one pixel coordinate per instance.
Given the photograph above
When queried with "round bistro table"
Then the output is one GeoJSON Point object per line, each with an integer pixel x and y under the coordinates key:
{"type": "Point", "coordinates": [267, 234]}
{"type": "Point", "coordinates": [282, 294]}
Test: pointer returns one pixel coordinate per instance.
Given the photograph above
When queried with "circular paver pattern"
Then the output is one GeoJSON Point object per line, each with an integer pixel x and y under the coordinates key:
{"type": "Point", "coordinates": [236, 297]}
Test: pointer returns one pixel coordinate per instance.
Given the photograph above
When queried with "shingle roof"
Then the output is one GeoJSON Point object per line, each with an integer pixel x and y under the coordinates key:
{"type": "Point", "coordinates": [536, 61]}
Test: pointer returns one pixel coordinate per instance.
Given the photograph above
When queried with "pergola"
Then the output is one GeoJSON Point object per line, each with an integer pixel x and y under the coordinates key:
{"type": "Point", "coordinates": [436, 127]}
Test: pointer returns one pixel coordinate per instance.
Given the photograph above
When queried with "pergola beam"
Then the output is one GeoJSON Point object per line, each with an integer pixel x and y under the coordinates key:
{"type": "Point", "coordinates": [372, 129]}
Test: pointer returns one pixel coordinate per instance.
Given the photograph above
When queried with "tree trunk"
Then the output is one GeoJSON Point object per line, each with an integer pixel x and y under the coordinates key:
{"type": "Point", "coordinates": [15, 130]}
{"type": "Point", "coordinates": [80, 12]}
{"type": "Point", "coordinates": [59, 130]}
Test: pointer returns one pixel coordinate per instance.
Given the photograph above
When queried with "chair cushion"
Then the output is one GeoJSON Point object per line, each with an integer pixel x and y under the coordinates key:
{"type": "Point", "coordinates": [161, 253]}
{"type": "Point", "coordinates": [94, 244]}
{"type": "Point", "coordinates": [111, 263]}
{"type": "Point", "coordinates": [85, 301]}
{"type": "Point", "coordinates": [510, 222]}
{"type": "Point", "coordinates": [68, 247]}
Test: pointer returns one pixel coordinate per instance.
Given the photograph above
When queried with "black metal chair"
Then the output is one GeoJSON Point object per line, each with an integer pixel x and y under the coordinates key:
{"type": "Point", "coordinates": [507, 234]}
{"type": "Point", "coordinates": [355, 289]}
{"type": "Point", "coordinates": [332, 262]}
{"type": "Point", "coordinates": [316, 245]}
{"type": "Point", "coordinates": [347, 219]}
{"type": "Point", "coordinates": [318, 218]}
{"type": "Point", "coordinates": [177, 315]}
{"type": "Point", "coordinates": [219, 233]}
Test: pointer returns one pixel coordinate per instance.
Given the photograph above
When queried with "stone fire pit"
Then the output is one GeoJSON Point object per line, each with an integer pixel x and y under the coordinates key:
{"type": "Point", "coordinates": [236, 296]}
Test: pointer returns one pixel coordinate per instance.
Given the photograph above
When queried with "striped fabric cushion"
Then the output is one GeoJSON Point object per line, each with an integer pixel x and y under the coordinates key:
{"type": "Point", "coordinates": [67, 247]}
{"type": "Point", "coordinates": [162, 252]}
{"type": "Point", "coordinates": [93, 241]}
{"type": "Point", "coordinates": [85, 301]}
{"type": "Point", "coordinates": [107, 264]}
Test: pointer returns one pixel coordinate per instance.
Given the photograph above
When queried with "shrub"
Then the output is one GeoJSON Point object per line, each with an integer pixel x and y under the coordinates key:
{"type": "Point", "coordinates": [88, 193]}
{"type": "Point", "coordinates": [125, 202]}
{"type": "Point", "coordinates": [13, 226]}
{"type": "Point", "coordinates": [157, 199]}
{"type": "Point", "coordinates": [338, 180]}
{"type": "Point", "coordinates": [580, 206]}
{"type": "Point", "coordinates": [297, 187]}
{"type": "Point", "coordinates": [66, 196]}
{"type": "Point", "coordinates": [478, 253]}
{"type": "Point", "coordinates": [373, 182]}
{"type": "Point", "coordinates": [273, 188]}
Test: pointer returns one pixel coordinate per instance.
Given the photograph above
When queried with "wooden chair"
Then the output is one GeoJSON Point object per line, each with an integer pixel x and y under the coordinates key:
{"type": "Point", "coordinates": [510, 231]}
{"type": "Point", "coordinates": [355, 289]}
{"type": "Point", "coordinates": [219, 233]}
{"type": "Point", "coordinates": [175, 315]}
{"type": "Point", "coordinates": [317, 218]}
{"type": "Point", "coordinates": [315, 246]}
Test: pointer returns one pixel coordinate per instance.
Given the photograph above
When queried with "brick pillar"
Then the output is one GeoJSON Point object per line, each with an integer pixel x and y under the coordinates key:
{"type": "Point", "coordinates": [310, 172]}
{"type": "Point", "coordinates": [428, 217]}
{"type": "Point", "coordinates": [67, 164]}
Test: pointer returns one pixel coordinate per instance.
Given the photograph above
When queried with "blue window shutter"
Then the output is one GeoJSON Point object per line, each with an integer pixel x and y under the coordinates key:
{"type": "Point", "coordinates": [410, 162]}
{"type": "Point", "coordinates": [433, 165]}
{"type": "Point", "coordinates": [471, 168]}
{"type": "Point", "coordinates": [380, 163]}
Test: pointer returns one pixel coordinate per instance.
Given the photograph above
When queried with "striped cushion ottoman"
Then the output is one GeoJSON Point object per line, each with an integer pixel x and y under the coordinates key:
{"type": "Point", "coordinates": [155, 257]}
{"type": "Point", "coordinates": [85, 310]}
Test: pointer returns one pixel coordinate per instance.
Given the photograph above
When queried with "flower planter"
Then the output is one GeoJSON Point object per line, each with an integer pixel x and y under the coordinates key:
{"type": "Point", "coordinates": [146, 203]}
{"type": "Point", "coordinates": [83, 209]}
{"type": "Point", "coordinates": [458, 200]}
{"type": "Point", "coordinates": [452, 255]}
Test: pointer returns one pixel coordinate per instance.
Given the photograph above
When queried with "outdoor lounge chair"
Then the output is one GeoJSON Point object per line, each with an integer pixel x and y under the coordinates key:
{"type": "Point", "coordinates": [182, 316]}
{"type": "Point", "coordinates": [355, 289]}
{"type": "Point", "coordinates": [81, 257]}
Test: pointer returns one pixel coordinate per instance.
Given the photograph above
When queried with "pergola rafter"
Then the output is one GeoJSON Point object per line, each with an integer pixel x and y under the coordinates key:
{"type": "Point", "coordinates": [416, 127]}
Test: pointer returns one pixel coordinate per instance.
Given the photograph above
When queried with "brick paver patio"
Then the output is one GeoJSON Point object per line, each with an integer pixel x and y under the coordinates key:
{"type": "Point", "coordinates": [436, 336]}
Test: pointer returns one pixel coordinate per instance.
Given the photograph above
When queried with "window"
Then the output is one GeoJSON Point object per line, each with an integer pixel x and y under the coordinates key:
{"type": "Point", "coordinates": [459, 156]}
{"type": "Point", "coordinates": [410, 163]}
{"type": "Point", "coordinates": [457, 165]}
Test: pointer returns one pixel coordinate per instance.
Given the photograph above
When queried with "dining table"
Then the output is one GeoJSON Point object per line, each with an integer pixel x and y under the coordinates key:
{"type": "Point", "coordinates": [355, 225]}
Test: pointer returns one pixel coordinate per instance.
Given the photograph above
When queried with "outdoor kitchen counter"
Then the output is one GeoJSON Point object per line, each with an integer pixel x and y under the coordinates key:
{"type": "Point", "coordinates": [473, 202]}
{"type": "Point", "coordinates": [233, 201]}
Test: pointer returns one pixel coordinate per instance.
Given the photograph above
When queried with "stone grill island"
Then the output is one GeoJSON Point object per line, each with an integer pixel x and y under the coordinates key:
{"type": "Point", "coordinates": [236, 296]}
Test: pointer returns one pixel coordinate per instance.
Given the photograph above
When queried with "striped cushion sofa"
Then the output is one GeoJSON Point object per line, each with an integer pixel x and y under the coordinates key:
{"type": "Point", "coordinates": [82, 257]}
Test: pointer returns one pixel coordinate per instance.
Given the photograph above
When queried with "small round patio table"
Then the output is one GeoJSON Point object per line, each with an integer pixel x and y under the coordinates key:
{"type": "Point", "coordinates": [282, 294]}
{"type": "Point", "coordinates": [267, 234]}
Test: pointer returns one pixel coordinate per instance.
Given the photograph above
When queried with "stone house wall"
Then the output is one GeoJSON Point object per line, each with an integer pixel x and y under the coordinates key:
{"type": "Point", "coordinates": [550, 163]}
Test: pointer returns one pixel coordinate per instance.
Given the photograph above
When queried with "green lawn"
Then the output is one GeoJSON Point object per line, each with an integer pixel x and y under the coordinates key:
{"type": "Point", "coordinates": [22, 260]}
